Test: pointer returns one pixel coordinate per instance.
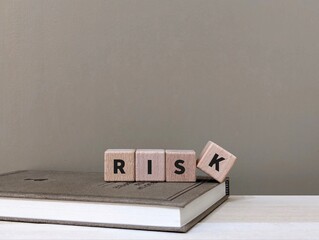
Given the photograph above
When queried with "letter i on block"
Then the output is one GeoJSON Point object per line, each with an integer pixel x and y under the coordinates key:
{"type": "Point", "coordinates": [119, 165]}
{"type": "Point", "coordinates": [150, 165]}
{"type": "Point", "coordinates": [180, 166]}
{"type": "Point", "coordinates": [216, 161]}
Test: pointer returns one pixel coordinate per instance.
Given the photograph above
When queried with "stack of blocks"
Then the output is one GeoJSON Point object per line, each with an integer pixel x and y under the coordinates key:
{"type": "Point", "coordinates": [160, 165]}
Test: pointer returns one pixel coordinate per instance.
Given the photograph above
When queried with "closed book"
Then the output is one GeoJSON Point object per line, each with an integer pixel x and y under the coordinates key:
{"type": "Point", "coordinates": [84, 199]}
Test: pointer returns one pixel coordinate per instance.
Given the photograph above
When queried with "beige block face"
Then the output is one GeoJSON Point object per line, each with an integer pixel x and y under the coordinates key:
{"type": "Point", "coordinates": [216, 161]}
{"type": "Point", "coordinates": [180, 166]}
{"type": "Point", "coordinates": [150, 165]}
{"type": "Point", "coordinates": [119, 165]}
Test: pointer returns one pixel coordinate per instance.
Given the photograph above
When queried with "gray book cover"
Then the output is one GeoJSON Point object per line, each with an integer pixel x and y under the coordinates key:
{"type": "Point", "coordinates": [90, 187]}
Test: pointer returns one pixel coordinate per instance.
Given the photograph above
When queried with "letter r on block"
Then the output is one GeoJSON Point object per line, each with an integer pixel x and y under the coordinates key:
{"type": "Point", "coordinates": [119, 165]}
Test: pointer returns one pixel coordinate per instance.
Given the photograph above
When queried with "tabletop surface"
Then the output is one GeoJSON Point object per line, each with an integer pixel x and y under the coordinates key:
{"type": "Point", "coordinates": [241, 217]}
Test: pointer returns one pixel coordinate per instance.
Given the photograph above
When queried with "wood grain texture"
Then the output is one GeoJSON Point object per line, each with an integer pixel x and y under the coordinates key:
{"type": "Point", "coordinates": [110, 158]}
{"type": "Point", "coordinates": [216, 161]}
{"type": "Point", "coordinates": [146, 171]}
{"type": "Point", "coordinates": [187, 161]}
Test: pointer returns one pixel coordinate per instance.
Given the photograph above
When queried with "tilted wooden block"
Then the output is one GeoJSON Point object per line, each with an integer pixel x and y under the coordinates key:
{"type": "Point", "coordinates": [150, 165]}
{"type": "Point", "coordinates": [119, 165]}
{"type": "Point", "coordinates": [180, 166]}
{"type": "Point", "coordinates": [216, 161]}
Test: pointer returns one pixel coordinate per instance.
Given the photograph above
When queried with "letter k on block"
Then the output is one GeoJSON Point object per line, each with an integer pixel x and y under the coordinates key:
{"type": "Point", "coordinates": [216, 161]}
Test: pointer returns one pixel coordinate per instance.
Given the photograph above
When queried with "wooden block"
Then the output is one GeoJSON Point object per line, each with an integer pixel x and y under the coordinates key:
{"type": "Point", "coordinates": [180, 166]}
{"type": "Point", "coordinates": [216, 161]}
{"type": "Point", "coordinates": [150, 165]}
{"type": "Point", "coordinates": [119, 165]}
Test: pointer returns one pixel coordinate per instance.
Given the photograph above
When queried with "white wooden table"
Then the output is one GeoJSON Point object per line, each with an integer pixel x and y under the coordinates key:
{"type": "Point", "coordinates": [241, 217]}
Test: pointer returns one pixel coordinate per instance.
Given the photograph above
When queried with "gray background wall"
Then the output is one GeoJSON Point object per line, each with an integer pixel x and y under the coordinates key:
{"type": "Point", "coordinates": [77, 77]}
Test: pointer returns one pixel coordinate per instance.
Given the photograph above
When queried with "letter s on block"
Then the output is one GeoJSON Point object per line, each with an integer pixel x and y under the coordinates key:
{"type": "Point", "coordinates": [179, 166]}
